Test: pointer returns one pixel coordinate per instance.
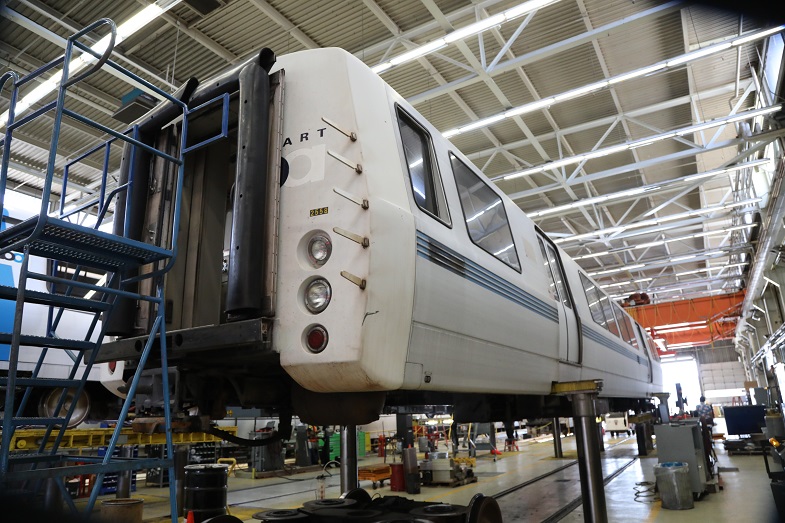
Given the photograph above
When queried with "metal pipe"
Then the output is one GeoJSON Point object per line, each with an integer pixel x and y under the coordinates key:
{"type": "Point", "coordinates": [124, 478]}
{"type": "Point", "coordinates": [52, 498]}
{"type": "Point", "coordinates": [245, 293]}
{"type": "Point", "coordinates": [600, 439]}
{"type": "Point", "coordinates": [592, 487]}
{"type": "Point", "coordinates": [738, 59]}
{"type": "Point", "coordinates": [180, 462]}
{"type": "Point", "coordinates": [770, 238]}
{"type": "Point", "coordinates": [557, 450]}
{"type": "Point", "coordinates": [349, 472]}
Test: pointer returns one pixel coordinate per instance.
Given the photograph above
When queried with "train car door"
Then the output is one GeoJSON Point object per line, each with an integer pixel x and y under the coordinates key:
{"type": "Point", "coordinates": [569, 339]}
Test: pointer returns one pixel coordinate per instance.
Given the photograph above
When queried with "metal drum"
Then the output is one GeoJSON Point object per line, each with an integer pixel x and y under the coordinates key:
{"type": "Point", "coordinates": [205, 491]}
{"type": "Point", "coordinates": [123, 510]}
{"type": "Point", "coordinates": [397, 478]}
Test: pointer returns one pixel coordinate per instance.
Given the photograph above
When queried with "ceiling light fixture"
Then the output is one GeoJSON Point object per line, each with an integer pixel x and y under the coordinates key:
{"type": "Point", "coordinates": [464, 32]}
{"type": "Point", "coordinates": [660, 263]}
{"type": "Point", "coordinates": [124, 30]}
{"type": "Point", "coordinates": [675, 275]}
{"type": "Point", "coordinates": [644, 189]}
{"type": "Point", "coordinates": [637, 73]}
{"type": "Point", "coordinates": [605, 151]}
{"type": "Point", "coordinates": [656, 221]}
{"type": "Point", "coordinates": [663, 242]}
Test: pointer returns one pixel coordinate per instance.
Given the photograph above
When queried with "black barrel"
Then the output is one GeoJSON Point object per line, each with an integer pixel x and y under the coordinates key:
{"type": "Point", "coordinates": [205, 491]}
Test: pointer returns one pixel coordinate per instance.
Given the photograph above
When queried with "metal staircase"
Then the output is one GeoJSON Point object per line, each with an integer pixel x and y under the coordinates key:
{"type": "Point", "coordinates": [55, 236]}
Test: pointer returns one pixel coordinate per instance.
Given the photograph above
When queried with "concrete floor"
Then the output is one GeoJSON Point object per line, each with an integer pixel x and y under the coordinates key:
{"type": "Point", "coordinates": [746, 495]}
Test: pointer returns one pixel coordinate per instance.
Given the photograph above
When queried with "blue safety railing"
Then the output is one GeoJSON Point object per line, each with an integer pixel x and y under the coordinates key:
{"type": "Point", "coordinates": [52, 235]}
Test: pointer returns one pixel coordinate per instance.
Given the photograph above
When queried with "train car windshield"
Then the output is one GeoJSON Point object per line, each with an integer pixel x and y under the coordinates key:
{"type": "Point", "coordinates": [486, 219]}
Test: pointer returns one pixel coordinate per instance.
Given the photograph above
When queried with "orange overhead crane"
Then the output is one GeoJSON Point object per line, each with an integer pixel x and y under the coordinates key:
{"type": "Point", "coordinates": [688, 323]}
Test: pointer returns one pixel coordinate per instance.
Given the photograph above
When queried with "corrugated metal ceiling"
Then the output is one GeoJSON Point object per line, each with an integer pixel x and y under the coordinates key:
{"type": "Point", "coordinates": [635, 34]}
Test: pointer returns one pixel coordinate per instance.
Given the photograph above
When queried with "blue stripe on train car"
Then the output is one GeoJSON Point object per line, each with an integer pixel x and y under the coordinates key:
{"type": "Point", "coordinates": [441, 255]}
{"type": "Point", "coordinates": [6, 306]}
{"type": "Point", "coordinates": [616, 347]}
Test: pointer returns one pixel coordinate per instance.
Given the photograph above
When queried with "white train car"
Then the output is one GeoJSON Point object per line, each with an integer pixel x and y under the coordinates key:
{"type": "Point", "coordinates": [400, 271]}
{"type": "Point", "coordinates": [57, 363]}
{"type": "Point", "coordinates": [459, 291]}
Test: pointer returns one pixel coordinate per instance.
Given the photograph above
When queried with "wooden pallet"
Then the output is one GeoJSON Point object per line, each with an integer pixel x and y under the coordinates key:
{"type": "Point", "coordinates": [375, 473]}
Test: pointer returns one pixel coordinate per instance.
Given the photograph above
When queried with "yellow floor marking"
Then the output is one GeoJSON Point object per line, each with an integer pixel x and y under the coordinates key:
{"type": "Point", "coordinates": [655, 510]}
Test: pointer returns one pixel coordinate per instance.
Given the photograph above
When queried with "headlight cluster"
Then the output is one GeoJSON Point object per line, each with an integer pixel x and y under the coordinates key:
{"type": "Point", "coordinates": [318, 292]}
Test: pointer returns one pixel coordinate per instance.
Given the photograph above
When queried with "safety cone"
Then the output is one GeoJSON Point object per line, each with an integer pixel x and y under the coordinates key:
{"type": "Point", "coordinates": [190, 518]}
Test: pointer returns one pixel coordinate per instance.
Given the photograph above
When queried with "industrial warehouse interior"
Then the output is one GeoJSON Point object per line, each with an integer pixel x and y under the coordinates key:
{"type": "Point", "coordinates": [452, 261]}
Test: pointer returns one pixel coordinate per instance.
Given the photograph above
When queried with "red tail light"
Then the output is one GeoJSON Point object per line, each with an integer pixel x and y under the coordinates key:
{"type": "Point", "coordinates": [316, 339]}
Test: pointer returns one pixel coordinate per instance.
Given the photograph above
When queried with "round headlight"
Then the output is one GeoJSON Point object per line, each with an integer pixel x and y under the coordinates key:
{"type": "Point", "coordinates": [319, 249]}
{"type": "Point", "coordinates": [317, 295]}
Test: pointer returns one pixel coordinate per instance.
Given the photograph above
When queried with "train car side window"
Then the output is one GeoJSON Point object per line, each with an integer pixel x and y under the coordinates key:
{"type": "Point", "coordinates": [593, 297]}
{"type": "Point", "coordinates": [625, 328]}
{"type": "Point", "coordinates": [607, 309]}
{"type": "Point", "coordinates": [558, 273]}
{"type": "Point", "coordinates": [654, 349]}
{"type": "Point", "coordinates": [637, 337]}
{"type": "Point", "coordinates": [647, 343]}
{"type": "Point", "coordinates": [555, 272]}
{"type": "Point", "coordinates": [486, 219]}
{"type": "Point", "coordinates": [551, 284]}
{"type": "Point", "coordinates": [423, 172]}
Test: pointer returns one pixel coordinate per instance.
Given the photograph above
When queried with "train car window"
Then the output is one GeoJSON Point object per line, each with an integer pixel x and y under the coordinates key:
{"type": "Point", "coordinates": [654, 349]}
{"type": "Point", "coordinates": [423, 172]}
{"type": "Point", "coordinates": [637, 337]}
{"type": "Point", "coordinates": [555, 272]}
{"type": "Point", "coordinates": [625, 327]}
{"type": "Point", "coordinates": [593, 297]}
{"type": "Point", "coordinates": [558, 273]}
{"type": "Point", "coordinates": [486, 219]}
{"type": "Point", "coordinates": [551, 283]}
{"type": "Point", "coordinates": [607, 309]}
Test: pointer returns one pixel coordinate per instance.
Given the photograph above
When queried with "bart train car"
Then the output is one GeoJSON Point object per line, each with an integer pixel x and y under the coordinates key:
{"type": "Point", "coordinates": [367, 260]}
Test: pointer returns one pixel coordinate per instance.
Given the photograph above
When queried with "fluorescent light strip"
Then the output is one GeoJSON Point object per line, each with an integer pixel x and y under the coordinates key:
{"type": "Point", "coordinates": [644, 189]}
{"type": "Point", "coordinates": [656, 264]}
{"type": "Point", "coordinates": [675, 275]}
{"type": "Point", "coordinates": [602, 84]}
{"type": "Point", "coordinates": [681, 329]}
{"type": "Point", "coordinates": [680, 325]}
{"type": "Point", "coordinates": [571, 160]}
{"type": "Point", "coordinates": [657, 221]}
{"type": "Point", "coordinates": [124, 30]}
{"type": "Point", "coordinates": [464, 32]}
{"type": "Point", "coordinates": [663, 242]}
